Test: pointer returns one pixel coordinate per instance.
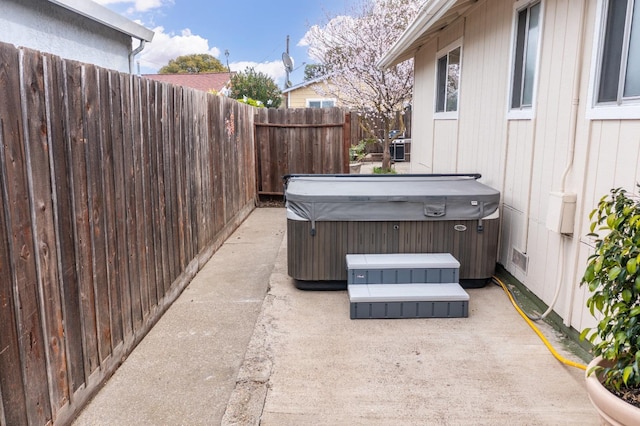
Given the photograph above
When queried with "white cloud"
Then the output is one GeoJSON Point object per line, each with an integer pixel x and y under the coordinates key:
{"type": "Point", "coordinates": [167, 46]}
{"type": "Point", "coordinates": [137, 5]}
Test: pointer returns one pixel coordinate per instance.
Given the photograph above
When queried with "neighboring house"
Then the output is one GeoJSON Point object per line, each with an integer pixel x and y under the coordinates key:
{"type": "Point", "coordinates": [543, 99]}
{"type": "Point", "coordinates": [80, 30]}
{"type": "Point", "coordinates": [205, 81]}
{"type": "Point", "coordinates": [304, 95]}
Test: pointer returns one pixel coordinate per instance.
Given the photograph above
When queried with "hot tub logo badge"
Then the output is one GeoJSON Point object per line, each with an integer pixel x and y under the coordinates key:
{"type": "Point", "coordinates": [460, 228]}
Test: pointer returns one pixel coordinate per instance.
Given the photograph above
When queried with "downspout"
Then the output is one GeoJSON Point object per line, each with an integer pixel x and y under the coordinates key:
{"type": "Point", "coordinates": [575, 103]}
{"type": "Point", "coordinates": [575, 100]}
{"type": "Point", "coordinates": [133, 54]}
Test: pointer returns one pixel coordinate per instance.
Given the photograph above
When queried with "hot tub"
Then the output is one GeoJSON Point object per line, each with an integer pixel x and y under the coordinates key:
{"type": "Point", "coordinates": [330, 216]}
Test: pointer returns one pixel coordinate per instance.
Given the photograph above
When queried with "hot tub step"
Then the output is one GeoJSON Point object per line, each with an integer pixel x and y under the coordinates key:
{"type": "Point", "coordinates": [391, 268]}
{"type": "Point", "coordinates": [444, 300]}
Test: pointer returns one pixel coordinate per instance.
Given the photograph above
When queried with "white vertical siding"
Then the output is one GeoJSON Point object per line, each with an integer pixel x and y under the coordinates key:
{"type": "Point", "coordinates": [526, 159]}
{"type": "Point", "coordinates": [422, 111]}
{"type": "Point", "coordinates": [485, 71]}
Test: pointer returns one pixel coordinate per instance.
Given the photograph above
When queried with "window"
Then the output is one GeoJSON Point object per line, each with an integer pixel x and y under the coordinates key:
{"type": "Point", "coordinates": [448, 79]}
{"type": "Point", "coordinates": [525, 56]}
{"type": "Point", "coordinates": [619, 63]}
{"type": "Point", "coordinates": [321, 103]}
{"type": "Point", "coordinates": [614, 89]}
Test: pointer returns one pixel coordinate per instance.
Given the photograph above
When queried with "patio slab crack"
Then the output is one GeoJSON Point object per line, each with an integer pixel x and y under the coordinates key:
{"type": "Point", "coordinates": [247, 400]}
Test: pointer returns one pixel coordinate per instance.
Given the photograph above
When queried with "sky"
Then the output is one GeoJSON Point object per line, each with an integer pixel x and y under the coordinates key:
{"type": "Point", "coordinates": [253, 32]}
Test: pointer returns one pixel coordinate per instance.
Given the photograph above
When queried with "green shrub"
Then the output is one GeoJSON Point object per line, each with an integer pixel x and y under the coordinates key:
{"type": "Point", "coordinates": [251, 102]}
{"type": "Point", "coordinates": [613, 277]}
{"type": "Point", "coordinates": [382, 171]}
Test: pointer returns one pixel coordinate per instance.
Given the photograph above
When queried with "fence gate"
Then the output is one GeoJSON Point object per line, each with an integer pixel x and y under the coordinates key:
{"type": "Point", "coordinates": [306, 140]}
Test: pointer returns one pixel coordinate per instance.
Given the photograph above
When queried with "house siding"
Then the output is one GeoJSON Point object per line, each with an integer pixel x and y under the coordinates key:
{"type": "Point", "coordinates": [423, 101]}
{"type": "Point", "coordinates": [44, 26]}
{"type": "Point", "coordinates": [297, 98]}
{"type": "Point", "coordinates": [526, 159]}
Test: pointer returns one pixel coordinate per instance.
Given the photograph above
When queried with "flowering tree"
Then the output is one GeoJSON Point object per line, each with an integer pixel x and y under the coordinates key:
{"type": "Point", "coordinates": [350, 46]}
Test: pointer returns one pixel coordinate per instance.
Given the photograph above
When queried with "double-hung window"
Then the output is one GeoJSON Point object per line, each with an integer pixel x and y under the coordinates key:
{"type": "Point", "coordinates": [321, 103]}
{"type": "Point", "coordinates": [619, 53]}
{"type": "Point", "coordinates": [525, 57]}
{"type": "Point", "coordinates": [448, 80]}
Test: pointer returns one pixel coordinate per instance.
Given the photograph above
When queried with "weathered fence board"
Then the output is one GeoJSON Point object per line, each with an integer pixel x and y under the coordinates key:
{"type": "Point", "coordinates": [114, 266]}
{"type": "Point", "coordinates": [114, 189]}
{"type": "Point", "coordinates": [64, 214]}
{"type": "Point", "coordinates": [12, 386]}
{"type": "Point", "coordinates": [21, 240]}
{"type": "Point", "coordinates": [310, 140]}
{"type": "Point", "coordinates": [38, 158]}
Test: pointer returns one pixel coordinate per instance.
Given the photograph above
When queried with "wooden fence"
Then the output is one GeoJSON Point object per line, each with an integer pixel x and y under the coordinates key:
{"type": "Point", "coordinates": [114, 191]}
{"type": "Point", "coordinates": [309, 140]}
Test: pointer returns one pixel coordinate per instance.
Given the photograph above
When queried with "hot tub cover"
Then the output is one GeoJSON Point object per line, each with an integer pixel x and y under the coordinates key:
{"type": "Point", "coordinates": [388, 197]}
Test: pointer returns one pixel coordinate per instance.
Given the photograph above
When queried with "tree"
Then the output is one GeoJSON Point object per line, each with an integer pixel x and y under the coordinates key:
{"type": "Point", "coordinates": [193, 64]}
{"type": "Point", "coordinates": [313, 71]}
{"type": "Point", "coordinates": [255, 85]}
{"type": "Point", "coordinates": [350, 46]}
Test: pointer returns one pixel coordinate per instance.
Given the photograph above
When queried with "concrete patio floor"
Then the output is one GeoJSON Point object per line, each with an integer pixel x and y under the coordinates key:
{"type": "Point", "coordinates": [243, 346]}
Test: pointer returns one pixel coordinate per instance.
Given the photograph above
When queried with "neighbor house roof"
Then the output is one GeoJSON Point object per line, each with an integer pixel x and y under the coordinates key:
{"type": "Point", "coordinates": [434, 16]}
{"type": "Point", "coordinates": [306, 83]}
{"type": "Point", "coordinates": [205, 81]}
{"type": "Point", "coordinates": [101, 14]}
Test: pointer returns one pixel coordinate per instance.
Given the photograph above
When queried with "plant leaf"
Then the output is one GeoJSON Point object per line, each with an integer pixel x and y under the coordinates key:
{"type": "Point", "coordinates": [597, 265]}
{"type": "Point", "coordinates": [589, 274]}
{"type": "Point", "coordinates": [614, 272]}
{"type": "Point", "coordinates": [626, 373]}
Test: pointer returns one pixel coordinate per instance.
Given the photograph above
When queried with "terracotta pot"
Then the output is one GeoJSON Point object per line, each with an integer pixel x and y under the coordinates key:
{"type": "Point", "coordinates": [354, 168]}
{"type": "Point", "coordinates": [612, 410]}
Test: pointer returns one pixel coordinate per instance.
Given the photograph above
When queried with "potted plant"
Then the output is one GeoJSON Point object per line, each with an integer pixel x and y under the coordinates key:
{"type": "Point", "coordinates": [613, 277]}
{"type": "Point", "coordinates": [356, 155]}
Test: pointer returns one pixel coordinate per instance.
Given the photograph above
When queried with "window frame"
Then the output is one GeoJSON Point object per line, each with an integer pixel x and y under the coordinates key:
{"type": "Point", "coordinates": [322, 101]}
{"type": "Point", "coordinates": [620, 109]}
{"type": "Point", "coordinates": [447, 115]}
{"type": "Point", "coordinates": [527, 112]}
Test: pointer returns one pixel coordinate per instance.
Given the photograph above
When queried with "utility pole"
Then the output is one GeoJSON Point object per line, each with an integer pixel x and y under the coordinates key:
{"type": "Point", "coordinates": [287, 68]}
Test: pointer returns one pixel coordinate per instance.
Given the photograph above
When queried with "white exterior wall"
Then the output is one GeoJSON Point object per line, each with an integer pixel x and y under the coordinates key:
{"type": "Point", "coordinates": [526, 159]}
{"type": "Point", "coordinates": [44, 26]}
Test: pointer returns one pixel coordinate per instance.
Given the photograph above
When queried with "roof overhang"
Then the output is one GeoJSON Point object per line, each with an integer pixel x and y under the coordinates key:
{"type": "Point", "coordinates": [101, 14]}
{"type": "Point", "coordinates": [307, 83]}
{"type": "Point", "coordinates": [434, 16]}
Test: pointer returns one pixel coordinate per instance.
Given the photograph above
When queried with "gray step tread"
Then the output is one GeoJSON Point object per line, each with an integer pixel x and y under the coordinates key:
{"type": "Point", "coordinates": [416, 292]}
{"type": "Point", "coordinates": [401, 260]}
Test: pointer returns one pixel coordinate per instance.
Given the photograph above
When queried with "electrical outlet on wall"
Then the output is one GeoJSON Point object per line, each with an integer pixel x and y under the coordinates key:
{"type": "Point", "coordinates": [561, 212]}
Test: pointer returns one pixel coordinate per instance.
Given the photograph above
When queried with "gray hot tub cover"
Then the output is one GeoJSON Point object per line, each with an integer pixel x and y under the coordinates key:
{"type": "Point", "coordinates": [388, 197]}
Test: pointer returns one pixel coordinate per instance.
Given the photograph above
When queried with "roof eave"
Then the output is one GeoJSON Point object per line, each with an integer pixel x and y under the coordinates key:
{"type": "Point", "coordinates": [101, 14]}
{"type": "Point", "coordinates": [307, 83]}
{"type": "Point", "coordinates": [434, 16]}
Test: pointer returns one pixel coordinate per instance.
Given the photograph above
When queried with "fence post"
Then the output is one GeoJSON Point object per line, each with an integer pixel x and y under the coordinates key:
{"type": "Point", "coordinates": [346, 142]}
